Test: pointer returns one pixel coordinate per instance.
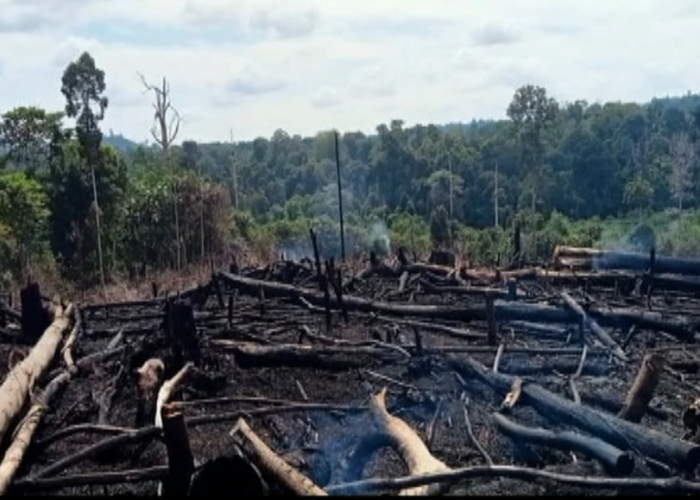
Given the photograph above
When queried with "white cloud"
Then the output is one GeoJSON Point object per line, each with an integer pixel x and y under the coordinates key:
{"type": "Point", "coordinates": [252, 82]}
{"type": "Point", "coordinates": [310, 65]}
{"type": "Point", "coordinates": [493, 34]}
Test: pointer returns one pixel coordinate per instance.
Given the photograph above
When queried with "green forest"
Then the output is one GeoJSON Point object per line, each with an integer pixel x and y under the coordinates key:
{"type": "Point", "coordinates": [89, 208]}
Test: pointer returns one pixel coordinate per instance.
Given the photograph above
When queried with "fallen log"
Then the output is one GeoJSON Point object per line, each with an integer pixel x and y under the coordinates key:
{"type": "Point", "coordinates": [409, 446]}
{"type": "Point", "coordinates": [268, 461]}
{"type": "Point", "coordinates": [614, 460]}
{"type": "Point", "coordinates": [641, 392]}
{"type": "Point", "coordinates": [26, 430]}
{"type": "Point", "coordinates": [616, 431]}
{"type": "Point", "coordinates": [594, 327]}
{"type": "Point", "coordinates": [327, 357]}
{"type": "Point", "coordinates": [628, 260]}
{"type": "Point", "coordinates": [668, 485]}
{"type": "Point", "coordinates": [22, 379]}
{"type": "Point", "coordinates": [505, 311]}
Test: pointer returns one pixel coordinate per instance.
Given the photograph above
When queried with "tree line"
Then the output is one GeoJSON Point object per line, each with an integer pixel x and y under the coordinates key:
{"type": "Point", "coordinates": [73, 204]}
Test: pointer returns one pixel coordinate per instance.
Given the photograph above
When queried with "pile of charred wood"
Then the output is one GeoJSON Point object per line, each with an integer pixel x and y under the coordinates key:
{"type": "Point", "coordinates": [577, 375]}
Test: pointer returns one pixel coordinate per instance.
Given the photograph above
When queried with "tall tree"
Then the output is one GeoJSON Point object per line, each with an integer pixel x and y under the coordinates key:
{"type": "Point", "coordinates": [28, 137]}
{"type": "Point", "coordinates": [83, 86]}
{"type": "Point", "coordinates": [166, 126]}
{"type": "Point", "coordinates": [532, 111]}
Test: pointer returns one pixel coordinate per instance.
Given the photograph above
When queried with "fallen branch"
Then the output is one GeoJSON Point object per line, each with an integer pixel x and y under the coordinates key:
{"type": "Point", "coordinates": [92, 479]}
{"type": "Point", "coordinates": [668, 485]}
{"type": "Point", "coordinates": [470, 432]}
{"type": "Point", "coordinates": [613, 459]}
{"type": "Point", "coordinates": [594, 327]}
{"type": "Point", "coordinates": [407, 443]}
{"type": "Point", "coordinates": [270, 462]}
{"type": "Point", "coordinates": [577, 375]}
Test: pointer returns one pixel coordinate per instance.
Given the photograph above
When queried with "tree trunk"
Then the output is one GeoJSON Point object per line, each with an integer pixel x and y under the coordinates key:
{"type": "Point", "coordinates": [21, 381]}
{"type": "Point", "coordinates": [613, 459]}
{"type": "Point", "coordinates": [99, 230]}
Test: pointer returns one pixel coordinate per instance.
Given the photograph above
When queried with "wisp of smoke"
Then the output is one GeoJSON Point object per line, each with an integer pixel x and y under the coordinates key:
{"type": "Point", "coordinates": [379, 238]}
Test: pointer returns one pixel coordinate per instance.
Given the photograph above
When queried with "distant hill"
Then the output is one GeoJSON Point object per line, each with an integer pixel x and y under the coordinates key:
{"type": "Point", "coordinates": [120, 143]}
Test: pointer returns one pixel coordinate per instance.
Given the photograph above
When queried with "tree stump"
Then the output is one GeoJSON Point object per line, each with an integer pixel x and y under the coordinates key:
{"type": "Point", "coordinates": [35, 318]}
{"type": "Point", "coordinates": [182, 334]}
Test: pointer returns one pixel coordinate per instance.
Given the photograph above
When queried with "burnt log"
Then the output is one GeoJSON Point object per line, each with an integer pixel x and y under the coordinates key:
{"type": "Point", "coordinates": [614, 460]}
{"type": "Point", "coordinates": [21, 381]}
{"type": "Point", "coordinates": [616, 431]}
{"type": "Point", "coordinates": [505, 311]}
{"type": "Point", "coordinates": [600, 259]}
{"type": "Point", "coordinates": [292, 355]}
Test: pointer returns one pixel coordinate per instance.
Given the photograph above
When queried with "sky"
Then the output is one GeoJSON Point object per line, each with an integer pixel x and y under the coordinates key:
{"type": "Point", "coordinates": [245, 68]}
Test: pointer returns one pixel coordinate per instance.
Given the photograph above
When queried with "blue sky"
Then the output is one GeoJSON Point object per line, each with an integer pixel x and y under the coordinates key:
{"type": "Point", "coordinates": [252, 66]}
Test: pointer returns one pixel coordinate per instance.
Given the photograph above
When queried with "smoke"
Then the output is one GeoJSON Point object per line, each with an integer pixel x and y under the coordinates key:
{"type": "Point", "coordinates": [295, 251]}
{"type": "Point", "coordinates": [379, 239]}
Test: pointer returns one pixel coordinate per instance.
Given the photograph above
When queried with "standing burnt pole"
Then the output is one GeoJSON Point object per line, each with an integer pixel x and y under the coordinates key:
{"type": "Point", "coordinates": [340, 198]}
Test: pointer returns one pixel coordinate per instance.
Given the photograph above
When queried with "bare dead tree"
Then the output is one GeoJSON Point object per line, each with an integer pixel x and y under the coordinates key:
{"type": "Point", "coordinates": [166, 119]}
{"type": "Point", "coordinates": [166, 125]}
{"type": "Point", "coordinates": [683, 161]}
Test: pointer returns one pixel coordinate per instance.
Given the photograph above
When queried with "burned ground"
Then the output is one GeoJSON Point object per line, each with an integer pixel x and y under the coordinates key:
{"type": "Point", "coordinates": [423, 387]}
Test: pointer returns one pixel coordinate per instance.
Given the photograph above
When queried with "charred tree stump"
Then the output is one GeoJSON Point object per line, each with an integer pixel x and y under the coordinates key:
{"type": "Point", "coordinates": [180, 458]}
{"type": "Point", "coordinates": [182, 333]}
{"type": "Point", "coordinates": [491, 318]}
{"type": "Point", "coordinates": [35, 318]}
{"type": "Point", "coordinates": [219, 294]}
{"type": "Point", "coordinates": [322, 282]}
{"type": "Point", "coordinates": [230, 310]}
{"type": "Point", "coordinates": [613, 459]}
{"type": "Point", "coordinates": [336, 281]}
{"type": "Point", "coordinates": [642, 390]}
